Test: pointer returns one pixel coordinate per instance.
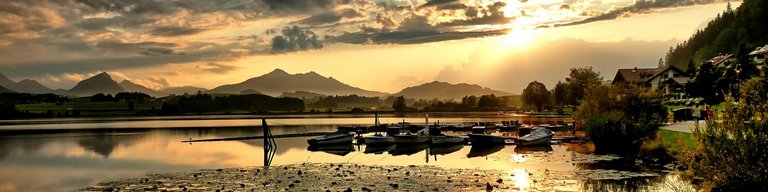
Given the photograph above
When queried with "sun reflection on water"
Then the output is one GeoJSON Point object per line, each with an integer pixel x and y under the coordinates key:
{"type": "Point", "coordinates": [521, 179]}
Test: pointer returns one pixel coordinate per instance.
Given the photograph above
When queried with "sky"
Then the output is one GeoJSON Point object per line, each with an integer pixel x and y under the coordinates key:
{"type": "Point", "coordinates": [380, 45]}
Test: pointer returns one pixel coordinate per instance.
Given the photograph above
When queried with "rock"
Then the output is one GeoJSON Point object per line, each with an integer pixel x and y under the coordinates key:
{"type": "Point", "coordinates": [394, 185]}
{"type": "Point", "coordinates": [348, 190]}
{"type": "Point", "coordinates": [299, 173]}
{"type": "Point", "coordinates": [291, 185]}
{"type": "Point", "coordinates": [334, 183]}
{"type": "Point", "coordinates": [499, 181]}
{"type": "Point", "coordinates": [488, 187]}
{"type": "Point", "coordinates": [242, 185]}
{"type": "Point", "coordinates": [297, 181]}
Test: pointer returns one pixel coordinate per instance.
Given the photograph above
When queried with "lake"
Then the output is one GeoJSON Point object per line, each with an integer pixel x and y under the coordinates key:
{"type": "Point", "coordinates": [68, 154]}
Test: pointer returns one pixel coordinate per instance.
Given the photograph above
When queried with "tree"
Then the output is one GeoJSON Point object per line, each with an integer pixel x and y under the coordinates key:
{"type": "Point", "coordinates": [399, 104]}
{"type": "Point", "coordinates": [579, 80]}
{"type": "Point", "coordinates": [661, 62]}
{"type": "Point", "coordinates": [691, 70]}
{"type": "Point", "coordinates": [536, 94]}
{"type": "Point", "coordinates": [704, 84]}
{"type": "Point", "coordinates": [619, 118]}
{"type": "Point", "coordinates": [560, 93]}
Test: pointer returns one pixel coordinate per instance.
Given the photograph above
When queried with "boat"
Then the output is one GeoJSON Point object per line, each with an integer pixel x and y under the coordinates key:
{"type": "Point", "coordinates": [485, 139]}
{"type": "Point", "coordinates": [446, 140]}
{"type": "Point", "coordinates": [478, 129]}
{"type": "Point", "coordinates": [421, 136]}
{"type": "Point", "coordinates": [538, 136]}
{"type": "Point", "coordinates": [337, 149]}
{"type": "Point", "coordinates": [478, 151]}
{"type": "Point", "coordinates": [339, 137]}
{"type": "Point", "coordinates": [438, 138]}
{"type": "Point", "coordinates": [378, 138]}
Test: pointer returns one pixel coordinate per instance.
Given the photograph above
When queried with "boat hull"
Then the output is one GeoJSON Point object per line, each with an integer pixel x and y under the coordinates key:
{"type": "Point", "coordinates": [537, 142]}
{"type": "Point", "coordinates": [446, 140]}
{"type": "Point", "coordinates": [332, 140]}
{"type": "Point", "coordinates": [539, 136]}
{"type": "Point", "coordinates": [405, 139]}
{"type": "Point", "coordinates": [379, 140]}
{"type": "Point", "coordinates": [484, 139]}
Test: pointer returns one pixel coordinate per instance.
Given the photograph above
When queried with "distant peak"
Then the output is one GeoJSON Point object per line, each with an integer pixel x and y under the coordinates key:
{"type": "Point", "coordinates": [103, 74]}
{"type": "Point", "coordinates": [277, 72]}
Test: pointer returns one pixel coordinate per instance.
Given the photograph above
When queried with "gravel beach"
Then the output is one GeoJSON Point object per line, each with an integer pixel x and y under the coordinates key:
{"type": "Point", "coordinates": [344, 177]}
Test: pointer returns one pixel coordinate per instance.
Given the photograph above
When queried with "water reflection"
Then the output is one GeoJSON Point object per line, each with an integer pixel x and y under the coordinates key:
{"type": "Point", "coordinates": [56, 162]}
{"type": "Point", "coordinates": [484, 150]}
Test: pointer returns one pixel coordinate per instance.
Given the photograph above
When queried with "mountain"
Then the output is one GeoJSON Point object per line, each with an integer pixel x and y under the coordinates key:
{"type": "Point", "coordinates": [24, 86]}
{"type": "Point", "coordinates": [5, 90]}
{"type": "Point", "coordinates": [101, 83]}
{"type": "Point", "coordinates": [278, 81]}
{"type": "Point", "coordinates": [133, 87]}
{"type": "Point", "coordinates": [734, 31]}
{"type": "Point", "coordinates": [182, 90]}
{"type": "Point", "coordinates": [443, 90]}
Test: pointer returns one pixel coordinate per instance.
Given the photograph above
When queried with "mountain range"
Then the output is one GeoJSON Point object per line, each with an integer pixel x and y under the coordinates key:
{"type": "Point", "coordinates": [24, 86]}
{"type": "Point", "coordinates": [278, 81]}
{"type": "Point", "coordinates": [275, 83]}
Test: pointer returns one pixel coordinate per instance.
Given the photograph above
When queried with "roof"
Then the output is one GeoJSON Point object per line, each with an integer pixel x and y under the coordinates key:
{"type": "Point", "coordinates": [760, 51]}
{"type": "Point", "coordinates": [679, 80]}
{"type": "Point", "coordinates": [641, 75]}
{"type": "Point", "coordinates": [720, 59]}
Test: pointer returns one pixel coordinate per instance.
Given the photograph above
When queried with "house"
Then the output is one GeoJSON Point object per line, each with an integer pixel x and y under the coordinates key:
{"type": "Point", "coordinates": [722, 60]}
{"type": "Point", "coordinates": [759, 55]}
{"type": "Point", "coordinates": [670, 78]}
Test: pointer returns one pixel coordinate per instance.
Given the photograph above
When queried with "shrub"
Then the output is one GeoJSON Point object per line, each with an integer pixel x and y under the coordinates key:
{"type": "Point", "coordinates": [731, 152]}
{"type": "Point", "coordinates": [619, 118]}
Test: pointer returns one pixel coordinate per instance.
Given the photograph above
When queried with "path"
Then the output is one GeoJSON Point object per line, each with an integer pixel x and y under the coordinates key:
{"type": "Point", "coordinates": [684, 126]}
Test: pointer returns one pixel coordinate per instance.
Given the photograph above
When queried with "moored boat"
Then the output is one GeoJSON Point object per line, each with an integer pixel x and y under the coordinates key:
{"type": "Point", "coordinates": [333, 138]}
{"type": "Point", "coordinates": [446, 140]}
{"type": "Point", "coordinates": [337, 149]}
{"type": "Point", "coordinates": [538, 136]}
{"type": "Point", "coordinates": [421, 136]}
{"type": "Point", "coordinates": [485, 139]}
{"type": "Point", "coordinates": [378, 138]}
{"type": "Point", "coordinates": [478, 151]}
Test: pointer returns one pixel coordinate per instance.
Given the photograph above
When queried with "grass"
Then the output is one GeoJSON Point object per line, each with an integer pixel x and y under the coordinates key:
{"type": "Point", "coordinates": [678, 141]}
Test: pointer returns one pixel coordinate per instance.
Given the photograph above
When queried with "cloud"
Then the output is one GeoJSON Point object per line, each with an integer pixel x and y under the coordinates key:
{"type": "Point", "coordinates": [157, 51]}
{"type": "Point", "coordinates": [491, 14]}
{"type": "Point", "coordinates": [330, 17]}
{"type": "Point", "coordinates": [294, 39]}
{"type": "Point", "coordinates": [175, 31]}
{"type": "Point", "coordinates": [219, 68]}
{"type": "Point", "coordinates": [640, 6]}
{"type": "Point", "coordinates": [444, 4]}
{"type": "Point", "coordinates": [512, 70]}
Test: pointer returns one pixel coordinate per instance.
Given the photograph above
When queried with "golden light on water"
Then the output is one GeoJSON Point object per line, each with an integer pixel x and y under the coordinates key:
{"type": "Point", "coordinates": [521, 179]}
{"type": "Point", "coordinates": [519, 158]}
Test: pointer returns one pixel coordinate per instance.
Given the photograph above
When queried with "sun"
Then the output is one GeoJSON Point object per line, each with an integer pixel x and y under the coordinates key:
{"type": "Point", "coordinates": [519, 38]}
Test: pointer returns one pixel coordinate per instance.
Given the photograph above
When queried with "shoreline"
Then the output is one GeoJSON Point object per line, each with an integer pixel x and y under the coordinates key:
{"type": "Point", "coordinates": [356, 177]}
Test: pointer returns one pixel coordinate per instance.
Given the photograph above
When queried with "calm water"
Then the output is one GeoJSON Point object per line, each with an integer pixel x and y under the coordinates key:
{"type": "Point", "coordinates": [68, 161]}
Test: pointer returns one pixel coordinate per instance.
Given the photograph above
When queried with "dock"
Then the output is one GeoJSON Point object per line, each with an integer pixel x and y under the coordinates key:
{"type": "Point", "coordinates": [256, 137]}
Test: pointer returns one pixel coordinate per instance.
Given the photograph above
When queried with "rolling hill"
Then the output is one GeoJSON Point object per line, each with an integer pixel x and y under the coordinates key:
{"type": "Point", "coordinates": [133, 87]}
{"type": "Point", "coordinates": [443, 90]}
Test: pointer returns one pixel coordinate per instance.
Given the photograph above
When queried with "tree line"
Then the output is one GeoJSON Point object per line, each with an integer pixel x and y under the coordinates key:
{"type": "Point", "coordinates": [254, 103]}
{"type": "Point", "coordinates": [727, 33]}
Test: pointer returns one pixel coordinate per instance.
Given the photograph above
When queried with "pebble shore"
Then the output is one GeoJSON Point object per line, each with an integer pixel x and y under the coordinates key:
{"type": "Point", "coordinates": [346, 177]}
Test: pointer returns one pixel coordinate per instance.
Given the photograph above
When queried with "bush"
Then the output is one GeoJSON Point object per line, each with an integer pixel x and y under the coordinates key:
{"type": "Point", "coordinates": [731, 152]}
{"type": "Point", "coordinates": [619, 118]}
{"type": "Point", "coordinates": [610, 135]}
